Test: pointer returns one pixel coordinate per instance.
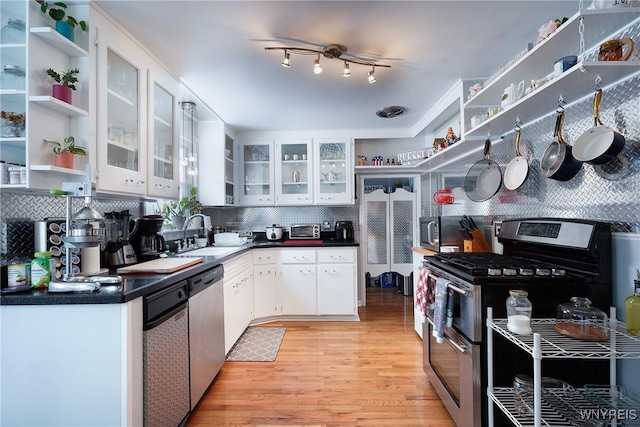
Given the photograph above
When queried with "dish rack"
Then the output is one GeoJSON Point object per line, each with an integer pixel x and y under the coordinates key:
{"type": "Point", "coordinates": [592, 406]}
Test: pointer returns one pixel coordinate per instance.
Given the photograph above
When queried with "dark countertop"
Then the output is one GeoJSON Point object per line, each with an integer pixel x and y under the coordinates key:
{"type": "Point", "coordinates": [137, 285]}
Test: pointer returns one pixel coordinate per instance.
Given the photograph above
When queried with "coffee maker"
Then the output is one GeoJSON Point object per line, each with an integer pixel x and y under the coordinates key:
{"type": "Point", "coordinates": [117, 250]}
{"type": "Point", "coordinates": [344, 230]}
{"type": "Point", "coordinates": [146, 241]}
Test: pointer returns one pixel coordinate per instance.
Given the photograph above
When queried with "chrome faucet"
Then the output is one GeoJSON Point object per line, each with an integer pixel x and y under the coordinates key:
{"type": "Point", "coordinates": [186, 225]}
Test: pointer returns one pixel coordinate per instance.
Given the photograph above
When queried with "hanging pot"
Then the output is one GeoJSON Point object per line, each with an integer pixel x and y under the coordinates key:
{"type": "Point", "coordinates": [518, 168]}
{"type": "Point", "coordinates": [600, 144]}
{"type": "Point", "coordinates": [557, 161]}
{"type": "Point", "coordinates": [484, 178]}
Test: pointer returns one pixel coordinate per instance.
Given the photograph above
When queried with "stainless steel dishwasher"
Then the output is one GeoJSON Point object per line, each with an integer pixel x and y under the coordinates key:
{"type": "Point", "coordinates": [166, 357]}
{"type": "Point", "coordinates": [206, 330]}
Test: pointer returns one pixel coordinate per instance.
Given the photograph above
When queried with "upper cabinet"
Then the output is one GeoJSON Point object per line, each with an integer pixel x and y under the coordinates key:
{"type": "Point", "coordinates": [29, 46]}
{"type": "Point", "coordinates": [333, 176]}
{"type": "Point", "coordinates": [294, 172]}
{"type": "Point", "coordinates": [163, 136]}
{"type": "Point", "coordinates": [257, 169]}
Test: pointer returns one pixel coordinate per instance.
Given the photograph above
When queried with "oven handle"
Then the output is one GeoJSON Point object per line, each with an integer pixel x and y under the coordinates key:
{"type": "Point", "coordinates": [461, 291]}
{"type": "Point", "coordinates": [460, 348]}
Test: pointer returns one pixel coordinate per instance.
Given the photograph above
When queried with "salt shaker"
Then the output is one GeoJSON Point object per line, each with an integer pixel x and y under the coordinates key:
{"type": "Point", "coordinates": [519, 312]}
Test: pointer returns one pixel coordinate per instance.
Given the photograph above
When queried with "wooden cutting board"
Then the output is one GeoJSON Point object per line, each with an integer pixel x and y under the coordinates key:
{"type": "Point", "coordinates": [160, 265]}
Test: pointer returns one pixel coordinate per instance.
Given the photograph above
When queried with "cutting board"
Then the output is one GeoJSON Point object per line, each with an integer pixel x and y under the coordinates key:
{"type": "Point", "coordinates": [161, 265]}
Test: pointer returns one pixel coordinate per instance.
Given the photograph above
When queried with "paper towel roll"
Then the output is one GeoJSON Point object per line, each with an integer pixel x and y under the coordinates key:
{"type": "Point", "coordinates": [90, 258]}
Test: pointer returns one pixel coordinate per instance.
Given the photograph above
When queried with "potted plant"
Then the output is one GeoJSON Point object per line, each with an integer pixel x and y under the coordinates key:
{"type": "Point", "coordinates": [177, 211]}
{"type": "Point", "coordinates": [65, 24]}
{"type": "Point", "coordinates": [64, 152]}
{"type": "Point", "coordinates": [65, 83]}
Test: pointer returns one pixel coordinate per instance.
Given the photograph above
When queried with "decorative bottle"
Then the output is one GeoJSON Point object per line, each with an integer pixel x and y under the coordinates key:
{"type": "Point", "coordinates": [632, 309]}
{"type": "Point", "coordinates": [519, 312]}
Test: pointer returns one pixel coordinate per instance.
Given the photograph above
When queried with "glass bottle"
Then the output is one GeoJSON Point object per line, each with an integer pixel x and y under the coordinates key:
{"type": "Point", "coordinates": [519, 312]}
{"type": "Point", "coordinates": [579, 320]}
{"type": "Point", "coordinates": [632, 310]}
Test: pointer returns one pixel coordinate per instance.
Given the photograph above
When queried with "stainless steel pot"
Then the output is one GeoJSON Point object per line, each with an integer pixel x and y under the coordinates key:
{"type": "Point", "coordinates": [274, 232]}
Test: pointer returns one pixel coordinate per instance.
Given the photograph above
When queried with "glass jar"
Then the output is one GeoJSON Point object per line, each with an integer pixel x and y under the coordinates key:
{"type": "Point", "coordinates": [519, 312]}
{"type": "Point", "coordinates": [18, 271]}
{"type": "Point", "coordinates": [632, 310]}
{"type": "Point", "coordinates": [579, 320]}
{"type": "Point", "coordinates": [12, 77]}
{"type": "Point", "coordinates": [13, 32]}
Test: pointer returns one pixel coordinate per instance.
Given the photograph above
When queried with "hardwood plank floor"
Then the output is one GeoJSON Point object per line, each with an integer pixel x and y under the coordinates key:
{"type": "Point", "coordinates": [366, 373]}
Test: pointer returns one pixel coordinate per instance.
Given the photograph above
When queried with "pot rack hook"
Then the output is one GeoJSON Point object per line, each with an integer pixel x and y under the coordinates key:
{"type": "Point", "coordinates": [518, 124]}
{"type": "Point", "coordinates": [561, 103]}
{"type": "Point", "coordinates": [598, 82]}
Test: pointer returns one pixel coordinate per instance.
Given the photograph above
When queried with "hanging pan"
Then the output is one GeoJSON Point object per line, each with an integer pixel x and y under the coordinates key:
{"type": "Point", "coordinates": [600, 144]}
{"type": "Point", "coordinates": [518, 168]}
{"type": "Point", "coordinates": [557, 161]}
{"type": "Point", "coordinates": [484, 178]}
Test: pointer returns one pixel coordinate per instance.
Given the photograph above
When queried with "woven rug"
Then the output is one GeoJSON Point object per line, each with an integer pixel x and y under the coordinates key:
{"type": "Point", "coordinates": [257, 344]}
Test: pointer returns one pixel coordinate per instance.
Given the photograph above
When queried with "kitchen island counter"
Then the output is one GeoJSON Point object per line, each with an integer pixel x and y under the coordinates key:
{"type": "Point", "coordinates": [137, 285]}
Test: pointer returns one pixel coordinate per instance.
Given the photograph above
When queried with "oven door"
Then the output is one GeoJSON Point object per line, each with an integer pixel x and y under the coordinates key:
{"type": "Point", "coordinates": [453, 368]}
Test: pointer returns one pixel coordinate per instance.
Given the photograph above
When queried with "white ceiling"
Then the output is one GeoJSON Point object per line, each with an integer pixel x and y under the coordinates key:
{"type": "Point", "coordinates": [217, 48]}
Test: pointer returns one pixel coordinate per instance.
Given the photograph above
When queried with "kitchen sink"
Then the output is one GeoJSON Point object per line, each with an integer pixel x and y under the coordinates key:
{"type": "Point", "coordinates": [210, 251]}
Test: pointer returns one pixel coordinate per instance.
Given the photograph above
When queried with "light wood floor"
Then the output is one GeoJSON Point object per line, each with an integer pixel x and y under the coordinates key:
{"type": "Point", "coordinates": [366, 373]}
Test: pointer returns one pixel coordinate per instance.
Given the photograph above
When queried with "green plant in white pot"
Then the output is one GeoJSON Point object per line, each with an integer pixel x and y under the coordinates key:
{"type": "Point", "coordinates": [65, 24]}
{"type": "Point", "coordinates": [65, 150]}
{"type": "Point", "coordinates": [178, 211]}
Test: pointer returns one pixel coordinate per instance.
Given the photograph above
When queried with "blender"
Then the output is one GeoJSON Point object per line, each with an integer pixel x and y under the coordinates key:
{"type": "Point", "coordinates": [117, 250]}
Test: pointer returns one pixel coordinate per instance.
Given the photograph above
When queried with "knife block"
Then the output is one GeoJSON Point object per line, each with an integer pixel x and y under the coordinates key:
{"type": "Point", "coordinates": [478, 244]}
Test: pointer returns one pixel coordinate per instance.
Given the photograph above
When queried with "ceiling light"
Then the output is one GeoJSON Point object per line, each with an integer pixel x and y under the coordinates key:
{"type": "Point", "coordinates": [317, 68]}
{"type": "Point", "coordinates": [372, 77]}
{"type": "Point", "coordinates": [346, 72]}
{"type": "Point", "coordinates": [286, 62]}
{"type": "Point", "coordinates": [331, 51]}
{"type": "Point", "coordinates": [390, 112]}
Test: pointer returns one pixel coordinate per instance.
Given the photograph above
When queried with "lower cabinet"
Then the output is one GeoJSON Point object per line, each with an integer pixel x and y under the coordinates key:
{"type": "Point", "coordinates": [266, 291]}
{"type": "Point", "coordinates": [337, 290]}
{"type": "Point", "coordinates": [298, 288]}
{"type": "Point", "coordinates": [238, 298]}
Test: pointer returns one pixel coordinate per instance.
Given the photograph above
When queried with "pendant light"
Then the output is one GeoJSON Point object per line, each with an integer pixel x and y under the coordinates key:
{"type": "Point", "coordinates": [191, 159]}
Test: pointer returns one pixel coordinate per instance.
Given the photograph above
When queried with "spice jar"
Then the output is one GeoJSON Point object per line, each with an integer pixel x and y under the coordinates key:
{"type": "Point", "coordinates": [519, 312]}
{"type": "Point", "coordinates": [579, 320]}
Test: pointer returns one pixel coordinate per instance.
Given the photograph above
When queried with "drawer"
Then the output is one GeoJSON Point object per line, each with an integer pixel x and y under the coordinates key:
{"type": "Point", "coordinates": [237, 265]}
{"type": "Point", "coordinates": [265, 256]}
{"type": "Point", "coordinates": [298, 256]}
{"type": "Point", "coordinates": [332, 256]}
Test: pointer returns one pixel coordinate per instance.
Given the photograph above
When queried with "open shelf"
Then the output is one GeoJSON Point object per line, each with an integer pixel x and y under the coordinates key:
{"type": "Point", "coordinates": [57, 169]}
{"type": "Point", "coordinates": [56, 105]}
{"type": "Point", "coordinates": [58, 41]}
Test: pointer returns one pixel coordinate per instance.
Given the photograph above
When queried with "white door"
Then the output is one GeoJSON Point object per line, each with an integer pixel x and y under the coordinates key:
{"type": "Point", "coordinates": [294, 172]}
{"type": "Point", "coordinates": [257, 173]}
{"type": "Point", "coordinates": [298, 287]}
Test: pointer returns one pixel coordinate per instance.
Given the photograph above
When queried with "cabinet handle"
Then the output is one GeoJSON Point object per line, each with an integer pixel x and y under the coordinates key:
{"type": "Point", "coordinates": [140, 182]}
{"type": "Point", "coordinates": [330, 272]}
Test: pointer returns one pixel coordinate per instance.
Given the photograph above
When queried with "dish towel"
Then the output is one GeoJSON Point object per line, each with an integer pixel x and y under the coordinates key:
{"type": "Point", "coordinates": [421, 291]}
{"type": "Point", "coordinates": [440, 310]}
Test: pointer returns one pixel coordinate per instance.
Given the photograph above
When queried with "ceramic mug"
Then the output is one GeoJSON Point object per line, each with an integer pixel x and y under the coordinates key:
{"type": "Point", "coordinates": [611, 50]}
{"type": "Point", "coordinates": [512, 93]}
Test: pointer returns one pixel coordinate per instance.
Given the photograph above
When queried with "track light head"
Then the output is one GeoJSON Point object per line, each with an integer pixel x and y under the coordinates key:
{"type": "Point", "coordinates": [317, 68]}
{"type": "Point", "coordinates": [286, 62]}
{"type": "Point", "coordinates": [372, 77]}
{"type": "Point", "coordinates": [346, 72]}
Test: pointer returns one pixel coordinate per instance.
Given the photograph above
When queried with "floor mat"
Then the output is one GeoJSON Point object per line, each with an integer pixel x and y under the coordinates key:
{"type": "Point", "coordinates": [257, 344]}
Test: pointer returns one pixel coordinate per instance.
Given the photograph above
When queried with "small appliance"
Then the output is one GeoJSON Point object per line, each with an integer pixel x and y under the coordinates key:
{"type": "Point", "coordinates": [304, 231]}
{"type": "Point", "coordinates": [117, 250]}
{"type": "Point", "coordinates": [441, 231]}
{"type": "Point", "coordinates": [146, 241]}
{"type": "Point", "coordinates": [344, 230]}
{"type": "Point", "coordinates": [274, 232]}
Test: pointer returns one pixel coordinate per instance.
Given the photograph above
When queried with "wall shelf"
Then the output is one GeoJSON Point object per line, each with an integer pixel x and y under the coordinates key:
{"type": "Point", "coordinates": [58, 41]}
{"type": "Point", "coordinates": [57, 169]}
{"type": "Point", "coordinates": [56, 105]}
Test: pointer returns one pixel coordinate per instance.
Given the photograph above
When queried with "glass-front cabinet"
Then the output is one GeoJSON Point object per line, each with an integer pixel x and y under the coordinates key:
{"type": "Point", "coordinates": [229, 192]}
{"type": "Point", "coordinates": [334, 171]}
{"type": "Point", "coordinates": [163, 136]}
{"type": "Point", "coordinates": [121, 135]}
{"type": "Point", "coordinates": [258, 173]}
{"type": "Point", "coordinates": [294, 172]}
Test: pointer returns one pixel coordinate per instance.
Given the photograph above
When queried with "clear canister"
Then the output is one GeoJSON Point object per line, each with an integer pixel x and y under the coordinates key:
{"type": "Point", "coordinates": [13, 32]}
{"type": "Point", "coordinates": [519, 312]}
{"type": "Point", "coordinates": [41, 267]}
{"type": "Point", "coordinates": [12, 77]}
{"type": "Point", "coordinates": [579, 320]}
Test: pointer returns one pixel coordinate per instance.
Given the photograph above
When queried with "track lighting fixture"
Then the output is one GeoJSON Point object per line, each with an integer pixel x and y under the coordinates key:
{"type": "Point", "coordinates": [286, 61]}
{"type": "Point", "coordinates": [317, 68]}
{"type": "Point", "coordinates": [331, 51]}
{"type": "Point", "coordinates": [346, 72]}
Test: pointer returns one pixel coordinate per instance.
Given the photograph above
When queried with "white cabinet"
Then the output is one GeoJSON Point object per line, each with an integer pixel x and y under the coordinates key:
{"type": "Point", "coordinates": [298, 281]}
{"type": "Point", "coordinates": [333, 171]}
{"type": "Point", "coordinates": [257, 169]}
{"type": "Point", "coordinates": [294, 172]}
{"type": "Point", "coordinates": [337, 281]}
{"type": "Point", "coordinates": [163, 136]}
{"type": "Point", "coordinates": [34, 48]}
{"type": "Point", "coordinates": [267, 301]}
{"type": "Point", "coordinates": [545, 343]}
{"type": "Point", "coordinates": [238, 298]}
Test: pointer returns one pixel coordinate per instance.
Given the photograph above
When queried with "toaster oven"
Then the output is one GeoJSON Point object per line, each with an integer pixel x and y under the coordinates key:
{"type": "Point", "coordinates": [304, 231]}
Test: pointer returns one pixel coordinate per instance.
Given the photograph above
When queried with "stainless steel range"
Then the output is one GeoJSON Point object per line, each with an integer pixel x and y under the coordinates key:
{"type": "Point", "coordinates": [553, 260]}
